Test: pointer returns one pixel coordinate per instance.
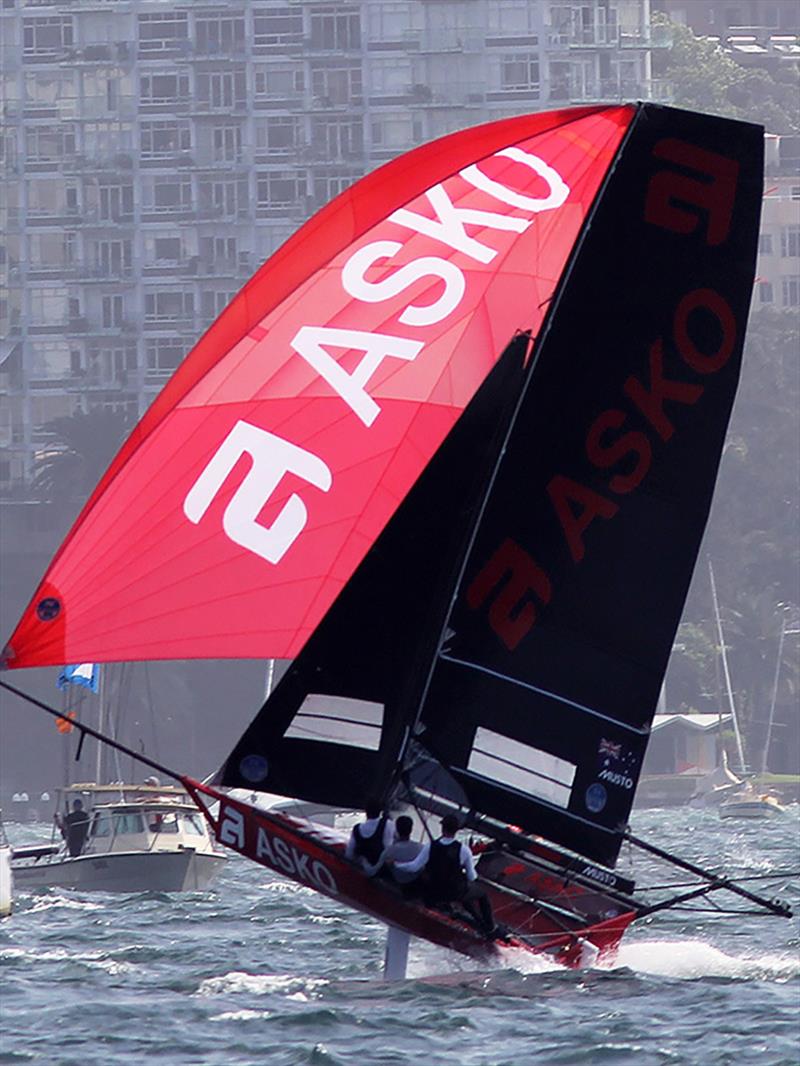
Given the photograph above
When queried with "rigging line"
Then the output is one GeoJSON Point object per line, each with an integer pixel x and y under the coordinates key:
{"type": "Point", "coordinates": [544, 692]}
{"type": "Point", "coordinates": [747, 877]}
{"type": "Point", "coordinates": [718, 880]}
{"type": "Point", "coordinates": [539, 343]}
{"type": "Point", "coordinates": [86, 730]}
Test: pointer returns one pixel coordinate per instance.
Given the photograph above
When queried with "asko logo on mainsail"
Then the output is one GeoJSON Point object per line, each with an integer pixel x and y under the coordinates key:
{"type": "Point", "coordinates": [453, 450]}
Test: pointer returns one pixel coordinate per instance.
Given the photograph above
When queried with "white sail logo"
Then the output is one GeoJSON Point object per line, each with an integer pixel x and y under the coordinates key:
{"type": "Point", "coordinates": [273, 457]}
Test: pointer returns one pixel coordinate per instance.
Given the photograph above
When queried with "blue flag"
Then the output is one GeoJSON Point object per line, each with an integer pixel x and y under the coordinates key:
{"type": "Point", "coordinates": [87, 674]}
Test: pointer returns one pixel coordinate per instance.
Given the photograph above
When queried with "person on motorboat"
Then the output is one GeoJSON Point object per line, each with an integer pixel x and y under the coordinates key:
{"type": "Point", "coordinates": [403, 850]}
{"type": "Point", "coordinates": [371, 837]}
{"type": "Point", "coordinates": [74, 828]}
{"type": "Point", "coordinates": [450, 877]}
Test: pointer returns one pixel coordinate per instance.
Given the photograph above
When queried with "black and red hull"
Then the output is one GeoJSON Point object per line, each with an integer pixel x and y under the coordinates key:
{"type": "Point", "coordinates": [547, 915]}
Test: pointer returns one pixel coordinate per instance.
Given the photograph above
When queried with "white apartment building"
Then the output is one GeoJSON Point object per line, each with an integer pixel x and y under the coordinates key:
{"type": "Point", "coordinates": [155, 152]}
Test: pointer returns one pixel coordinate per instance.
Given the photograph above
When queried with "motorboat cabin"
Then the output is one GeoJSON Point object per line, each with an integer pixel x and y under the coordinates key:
{"type": "Point", "coordinates": [139, 838]}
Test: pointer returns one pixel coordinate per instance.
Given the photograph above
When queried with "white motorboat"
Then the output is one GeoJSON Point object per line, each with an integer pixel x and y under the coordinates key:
{"type": "Point", "coordinates": [139, 838]}
{"type": "Point", "coordinates": [6, 876]}
{"type": "Point", "coordinates": [748, 803]}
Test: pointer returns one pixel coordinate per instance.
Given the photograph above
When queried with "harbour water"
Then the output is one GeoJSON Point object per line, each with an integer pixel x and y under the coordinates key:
{"type": "Point", "coordinates": [261, 971]}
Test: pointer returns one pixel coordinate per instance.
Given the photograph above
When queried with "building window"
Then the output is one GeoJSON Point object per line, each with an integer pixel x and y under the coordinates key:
{"type": "Point", "coordinates": [220, 251]}
{"type": "Point", "coordinates": [219, 90]}
{"type": "Point", "coordinates": [560, 80]}
{"type": "Point", "coordinates": [337, 139]}
{"type": "Point", "coordinates": [214, 303]}
{"type": "Point", "coordinates": [162, 89]}
{"type": "Point", "coordinates": [326, 186]}
{"type": "Point", "coordinates": [111, 366]}
{"type": "Point", "coordinates": [278, 82]}
{"type": "Point", "coordinates": [277, 29]}
{"type": "Point", "coordinates": [163, 139]}
{"type": "Point", "coordinates": [167, 249]}
{"type": "Point", "coordinates": [49, 143]}
{"type": "Point", "coordinates": [790, 242]}
{"type": "Point", "coordinates": [275, 192]}
{"type": "Point", "coordinates": [227, 142]}
{"type": "Point", "coordinates": [113, 311]}
{"type": "Point", "coordinates": [167, 32]}
{"type": "Point", "coordinates": [765, 292]}
{"type": "Point", "coordinates": [790, 291]}
{"type": "Point", "coordinates": [46, 36]}
{"type": "Point", "coordinates": [277, 135]}
{"type": "Point", "coordinates": [168, 306]}
{"type": "Point", "coordinates": [392, 131]}
{"type": "Point", "coordinates": [113, 259]}
{"type": "Point", "coordinates": [167, 195]}
{"type": "Point", "coordinates": [336, 84]}
{"type": "Point", "coordinates": [53, 251]}
{"type": "Point", "coordinates": [224, 199]}
{"type": "Point", "coordinates": [520, 72]}
{"type": "Point", "coordinates": [335, 29]}
{"type": "Point", "coordinates": [390, 76]}
{"type": "Point", "coordinates": [116, 202]}
{"type": "Point", "coordinates": [765, 244]}
{"type": "Point", "coordinates": [49, 307]}
{"type": "Point", "coordinates": [218, 35]}
{"type": "Point", "coordinates": [164, 354]}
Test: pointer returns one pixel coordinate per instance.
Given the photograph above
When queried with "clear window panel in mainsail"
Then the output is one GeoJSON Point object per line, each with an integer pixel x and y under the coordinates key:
{"type": "Point", "coordinates": [338, 720]}
{"type": "Point", "coordinates": [521, 767]}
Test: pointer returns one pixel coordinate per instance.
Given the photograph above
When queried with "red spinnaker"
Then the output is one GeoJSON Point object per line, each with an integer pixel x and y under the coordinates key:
{"type": "Point", "coordinates": [264, 471]}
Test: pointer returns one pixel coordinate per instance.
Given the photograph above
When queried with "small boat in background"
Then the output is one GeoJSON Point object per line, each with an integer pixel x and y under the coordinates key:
{"type": "Point", "coordinates": [6, 876]}
{"type": "Point", "coordinates": [139, 838]}
{"type": "Point", "coordinates": [749, 803]}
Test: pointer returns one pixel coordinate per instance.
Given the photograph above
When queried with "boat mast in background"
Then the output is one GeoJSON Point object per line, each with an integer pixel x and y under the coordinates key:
{"type": "Point", "coordinates": [726, 670]}
{"type": "Point", "coordinates": [773, 701]}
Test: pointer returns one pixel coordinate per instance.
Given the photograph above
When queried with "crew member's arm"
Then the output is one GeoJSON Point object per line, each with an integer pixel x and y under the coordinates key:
{"type": "Point", "coordinates": [350, 850]}
{"type": "Point", "coordinates": [371, 870]}
{"type": "Point", "coordinates": [468, 863]}
{"type": "Point", "coordinates": [413, 866]}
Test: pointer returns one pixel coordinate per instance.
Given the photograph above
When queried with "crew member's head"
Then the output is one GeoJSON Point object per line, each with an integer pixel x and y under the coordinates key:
{"type": "Point", "coordinates": [449, 825]}
{"type": "Point", "coordinates": [403, 825]}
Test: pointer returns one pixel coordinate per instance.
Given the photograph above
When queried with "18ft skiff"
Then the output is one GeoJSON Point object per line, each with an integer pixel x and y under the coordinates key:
{"type": "Point", "coordinates": [452, 451]}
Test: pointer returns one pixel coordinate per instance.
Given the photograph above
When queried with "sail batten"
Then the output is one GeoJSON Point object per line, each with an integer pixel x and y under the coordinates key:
{"type": "Point", "coordinates": [554, 696]}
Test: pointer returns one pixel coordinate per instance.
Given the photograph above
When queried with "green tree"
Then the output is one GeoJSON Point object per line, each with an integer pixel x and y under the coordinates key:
{"type": "Point", "coordinates": [81, 447]}
{"type": "Point", "coordinates": [705, 78]}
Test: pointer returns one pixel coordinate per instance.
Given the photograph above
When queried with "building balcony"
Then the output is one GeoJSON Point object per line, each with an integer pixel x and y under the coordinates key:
{"type": "Point", "coordinates": [118, 273]}
{"type": "Point", "coordinates": [320, 48]}
{"type": "Point", "coordinates": [167, 159]}
{"type": "Point", "coordinates": [214, 109]}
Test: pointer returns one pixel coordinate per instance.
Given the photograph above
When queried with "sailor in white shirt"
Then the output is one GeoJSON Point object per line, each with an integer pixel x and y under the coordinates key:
{"type": "Point", "coordinates": [450, 876]}
{"type": "Point", "coordinates": [369, 839]}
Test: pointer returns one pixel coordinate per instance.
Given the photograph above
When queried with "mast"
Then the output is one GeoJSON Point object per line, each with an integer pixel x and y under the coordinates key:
{"type": "Point", "coordinates": [771, 721]}
{"type": "Point", "coordinates": [531, 358]}
{"type": "Point", "coordinates": [101, 697]}
{"type": "Point", "coordinates": [728, 686]}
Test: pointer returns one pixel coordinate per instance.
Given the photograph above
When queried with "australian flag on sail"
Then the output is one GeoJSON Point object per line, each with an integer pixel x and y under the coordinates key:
{"type": "Point", "coordinates": [87, 674]}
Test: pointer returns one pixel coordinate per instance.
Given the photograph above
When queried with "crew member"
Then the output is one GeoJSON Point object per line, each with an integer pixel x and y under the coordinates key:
{"type": "Point", "coordinates": [451, 877]}
{"type": "Point", "coordinates": [74, 828]}
{"type": "Point", "coordinates": [369, 838]}
{"type": "Point", "coordinates": [403, 850]}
